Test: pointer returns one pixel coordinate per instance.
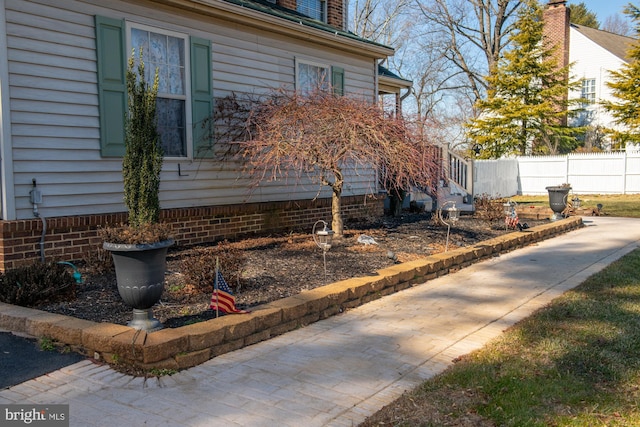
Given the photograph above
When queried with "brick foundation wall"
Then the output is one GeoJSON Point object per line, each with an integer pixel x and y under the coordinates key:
{"type": "Point", "coordinates": [72, 238]}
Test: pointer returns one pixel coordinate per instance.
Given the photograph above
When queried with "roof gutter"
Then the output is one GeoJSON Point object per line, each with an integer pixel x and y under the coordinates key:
{"type": "Point", "coordinates": [246, 16]}
{"type": "Point", "coordinates": [396, 82]}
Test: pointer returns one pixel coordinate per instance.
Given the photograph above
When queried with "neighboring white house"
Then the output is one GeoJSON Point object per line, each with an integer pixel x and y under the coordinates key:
{"type": "Point", "coordinates": [592, 54]}
{"type": "Point", "coordinates": [62, 98]}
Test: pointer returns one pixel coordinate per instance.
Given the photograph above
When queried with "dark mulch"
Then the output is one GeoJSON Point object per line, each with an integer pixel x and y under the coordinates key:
{"type": "Point", "coordinates": [283, 265]}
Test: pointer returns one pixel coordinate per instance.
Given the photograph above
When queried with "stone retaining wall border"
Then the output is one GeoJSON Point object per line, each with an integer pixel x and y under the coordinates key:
{"type": "Point", "coordinates": [191, 345]}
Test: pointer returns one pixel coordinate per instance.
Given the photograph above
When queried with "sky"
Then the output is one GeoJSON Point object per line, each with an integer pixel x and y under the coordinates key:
{"type": "Point", "coordinates": [605, 8]}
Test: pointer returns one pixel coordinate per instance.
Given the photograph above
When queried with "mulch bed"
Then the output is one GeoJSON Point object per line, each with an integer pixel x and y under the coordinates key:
{"type": "Point", "coordinates": [283, 265]}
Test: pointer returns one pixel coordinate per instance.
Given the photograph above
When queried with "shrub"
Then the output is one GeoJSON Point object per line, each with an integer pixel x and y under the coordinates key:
{"type": "Point", "coordinates": [37, 283]}
{"type": "Point", "coordinates": [98, 260]}
{"type": "Point", "coordinates": [199, 268]}
{"type": "Point", "coordinates": [143, 234]}
{"type": "Point", "coordinates": [142, 161]}
{"type": "Point", "coordinates": [489, 208]}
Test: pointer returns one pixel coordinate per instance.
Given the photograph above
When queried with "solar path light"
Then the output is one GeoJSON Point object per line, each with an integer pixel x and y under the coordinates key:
{"type": "Point", "coordinates": [453, 214]}
{"type": "Point", "coordinates": [323, 238]}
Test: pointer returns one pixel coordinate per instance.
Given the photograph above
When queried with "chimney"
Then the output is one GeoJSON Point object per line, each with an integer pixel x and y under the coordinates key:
{"type": "Point", "coordinates": [556, 29]}
{"type": "Point", "coordinates": [335, 11]}
{"type": "Point", "coordinates": [289, 4]}
{"type": "Point", "coordinates": [556, 33]}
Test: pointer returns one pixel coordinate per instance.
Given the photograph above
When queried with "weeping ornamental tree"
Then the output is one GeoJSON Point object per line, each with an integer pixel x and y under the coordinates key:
{"type": "Point", "coordinates": [324, 137]}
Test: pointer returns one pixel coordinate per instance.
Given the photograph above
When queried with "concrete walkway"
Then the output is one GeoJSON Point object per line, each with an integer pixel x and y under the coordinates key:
{"type": "Point", "coordinates": [339, 371]}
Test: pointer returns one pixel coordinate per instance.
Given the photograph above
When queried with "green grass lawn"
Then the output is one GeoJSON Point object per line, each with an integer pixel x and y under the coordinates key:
{"type": "Point", "coordinates": [573, 363]}
{"type": "Point", "coordinates": [627, 205]}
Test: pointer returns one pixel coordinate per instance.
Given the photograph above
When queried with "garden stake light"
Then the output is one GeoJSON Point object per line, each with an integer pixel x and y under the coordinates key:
{"type": "Point", "coordinates": [452, 215]}
{"type": "Point", "coordinates": [576, 202]}
{"type": "Point", "coordinates": [322, 239]}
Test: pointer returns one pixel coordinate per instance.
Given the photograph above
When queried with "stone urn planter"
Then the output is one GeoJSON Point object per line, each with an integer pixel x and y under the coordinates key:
{"type": "Point", "coordinates": [139, 250]}
{"type": "Point", "coordinates": [140, 272]}
{"type": "Point", "coordinates": [558, 200]}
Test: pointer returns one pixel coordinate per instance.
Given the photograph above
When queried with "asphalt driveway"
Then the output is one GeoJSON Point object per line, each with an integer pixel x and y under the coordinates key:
{"type": "Point", "coordinates": [22, 359]}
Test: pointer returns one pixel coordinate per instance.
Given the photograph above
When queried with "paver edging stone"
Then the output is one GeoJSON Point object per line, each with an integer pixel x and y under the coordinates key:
{"type": "Point", "coordinates": [166, 343]}
{"type": "Point", "coordinates": [62, 329]}
{"type": "Point", "coordinates": [203, 335]}
{"type": "Point", "coordinates": [99, 337]}
{"type": "Point", "coordinates": [194, 358]}
{"type": "Point", "coordinates": [190, 345]}
{"type": "Point", "coordinates": [334, 293]}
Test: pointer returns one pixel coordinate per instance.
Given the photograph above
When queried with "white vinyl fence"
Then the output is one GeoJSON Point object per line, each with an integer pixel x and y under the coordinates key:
{"type": "Point", "coordinates": [588, 173]}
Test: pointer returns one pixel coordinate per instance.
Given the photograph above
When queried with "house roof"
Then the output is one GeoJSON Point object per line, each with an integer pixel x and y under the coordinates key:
{"type": "Point", "coordinates": [614, 43]}
{"type": "Point", "coordinates": [268, 16]}
{"type": "Point", "coordinates": [295, 16]}
{"type": "Point", "coordinates": [391, 79]}
{"type": "Point", "coordinates": [383, 71]}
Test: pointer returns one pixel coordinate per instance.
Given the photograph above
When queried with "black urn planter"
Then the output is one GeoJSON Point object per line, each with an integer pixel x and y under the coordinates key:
{"type": "Point", "coordinates": [140, 277]}
{"type": "Point", "coordinates": [558, 200]}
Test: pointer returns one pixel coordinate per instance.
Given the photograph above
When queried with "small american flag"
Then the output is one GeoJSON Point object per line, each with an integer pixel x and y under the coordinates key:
{"type": "Point", "coordinates": [512, 220]}
{"type": "Point", "coordinates": [223, 299]}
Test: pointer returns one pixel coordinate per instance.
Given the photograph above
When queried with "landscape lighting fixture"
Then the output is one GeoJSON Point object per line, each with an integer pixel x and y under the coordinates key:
{"type": "Point", "coordinates": [453, 214]}
{"type": "Point", "coordinates": [323, 239]}
{"type": "Point", "coordinates": [575, 202]}
{"type": "Point", "coordinates": [506, 208]}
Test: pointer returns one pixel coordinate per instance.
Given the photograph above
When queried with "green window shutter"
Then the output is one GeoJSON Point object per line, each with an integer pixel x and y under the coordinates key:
{"type": "Point", "coordinates": [112, 88]}
{"type": "Point", "coordinates": [337, 80]}
{"type": "Point", "coordinates": [201, 97]}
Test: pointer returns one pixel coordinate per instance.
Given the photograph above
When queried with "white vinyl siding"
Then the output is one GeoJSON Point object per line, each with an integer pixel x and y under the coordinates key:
{"type": "Point", "coordinates": [590, 61]}
{"type": "Point", "coordinates": [55, 128]}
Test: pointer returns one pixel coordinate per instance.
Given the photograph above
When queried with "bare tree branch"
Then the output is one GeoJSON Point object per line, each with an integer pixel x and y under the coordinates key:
{"type": "Point", "coordinates": [321, 136]}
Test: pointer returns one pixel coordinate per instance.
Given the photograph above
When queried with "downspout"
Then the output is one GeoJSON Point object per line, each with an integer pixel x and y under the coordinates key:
{"type": "Point", "coordinates": [376, 92]}
{"type": "Point", "coordinates": [403, 97]}
{"type": "Point", "coordinates": [36, 198]}
{"type": "Point", "coordinates": [401, 100]}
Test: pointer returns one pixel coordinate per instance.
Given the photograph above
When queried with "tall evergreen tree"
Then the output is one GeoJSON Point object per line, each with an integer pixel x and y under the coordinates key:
{"type": "Point", "coordinates": [580, 15]}
{"type": "Point", "coordinates": [625, 86]}
{"type": "Point", "coordinates": [526, 112]}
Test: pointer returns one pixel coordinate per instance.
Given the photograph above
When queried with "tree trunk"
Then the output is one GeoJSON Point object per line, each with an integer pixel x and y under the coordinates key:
{"type": "Point", "coordinates": [336, 215]}
{"type": "Point", "coordinates": [395, 202]}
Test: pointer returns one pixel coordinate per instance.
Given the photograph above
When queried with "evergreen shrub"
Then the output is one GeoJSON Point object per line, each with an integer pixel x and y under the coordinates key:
{"type": "Point", "coordinates": [34, 284]}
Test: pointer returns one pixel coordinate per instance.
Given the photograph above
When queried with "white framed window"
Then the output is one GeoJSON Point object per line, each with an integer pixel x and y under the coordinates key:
{"type": "Point", "coordinates": [316, 9]}
{"type": "Point", "coordinates": [589, 90]}
{"type": "Point", "coordinates": [167, 52]}
{"type": "Point", "coordinates": [312, 76]}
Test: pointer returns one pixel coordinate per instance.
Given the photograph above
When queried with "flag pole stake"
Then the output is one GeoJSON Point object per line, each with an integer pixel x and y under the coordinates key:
{"type": "Point", "coordinates": [216, 288]}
